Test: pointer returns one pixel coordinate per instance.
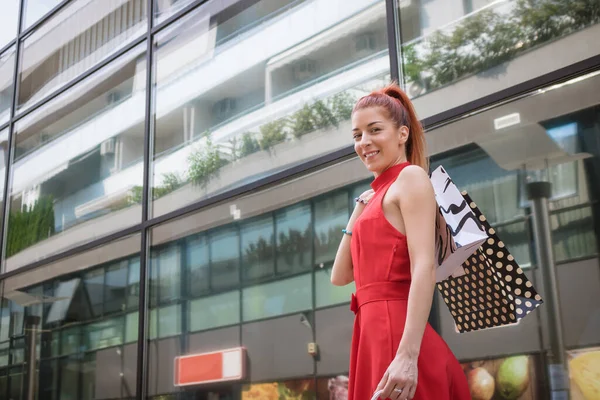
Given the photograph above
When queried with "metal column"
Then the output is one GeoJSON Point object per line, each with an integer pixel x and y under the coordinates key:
{"type": "Point", "coordinates": [31, 324]}
{"type": "Point", "coordinates": [539, 193]}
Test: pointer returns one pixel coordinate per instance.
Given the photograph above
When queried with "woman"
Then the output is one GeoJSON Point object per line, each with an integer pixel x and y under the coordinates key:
{"type": "Point", "coordinates": [388, 250]}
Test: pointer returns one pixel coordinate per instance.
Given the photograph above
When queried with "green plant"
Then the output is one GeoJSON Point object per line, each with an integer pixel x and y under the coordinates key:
{"type": "Point", "coordinates": [272, 133]}
{"type": "Point", "coordinates": [135, 196]}
{"type": "Point", "coordinates": [171, 182]}
{"type": "Point", "coordinates": [302, 121]}
{"type": "Point", "coordinates": [204, 163]}
{"type": "Point", "coordinates": [489, 39]}
{"type": "Point", "coordinates": [30, 226]}
{"type": "Point", "coordinates": [341, 105]}
{"type": "Point", "coordinates": [322, 115]}
{"type": "Point", "coordinates": [249, 145]}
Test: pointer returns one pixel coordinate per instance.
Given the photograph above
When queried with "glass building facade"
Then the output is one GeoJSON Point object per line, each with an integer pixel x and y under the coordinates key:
{"type": "Point", "coordinates": [175, 176]}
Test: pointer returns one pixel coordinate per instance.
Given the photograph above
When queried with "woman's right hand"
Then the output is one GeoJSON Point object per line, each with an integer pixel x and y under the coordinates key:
{"type": "Point", "coordinates": [364, 198]}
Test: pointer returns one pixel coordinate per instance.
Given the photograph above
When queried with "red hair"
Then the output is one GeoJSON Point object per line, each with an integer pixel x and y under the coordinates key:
{"type": "Point", "coordinates": [400, 110]}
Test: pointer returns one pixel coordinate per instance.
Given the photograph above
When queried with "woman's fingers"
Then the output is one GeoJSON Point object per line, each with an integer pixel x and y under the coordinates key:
{"type": "Point", "coordinates": [382, 382]}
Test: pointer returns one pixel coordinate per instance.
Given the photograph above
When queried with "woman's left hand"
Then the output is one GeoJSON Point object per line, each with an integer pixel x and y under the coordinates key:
{"type": "Point", "coordinates": [401, 375]}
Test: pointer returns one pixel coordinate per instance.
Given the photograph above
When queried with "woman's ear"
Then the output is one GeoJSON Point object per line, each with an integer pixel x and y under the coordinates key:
{"type": "Point", "coordinates": [403, 133]}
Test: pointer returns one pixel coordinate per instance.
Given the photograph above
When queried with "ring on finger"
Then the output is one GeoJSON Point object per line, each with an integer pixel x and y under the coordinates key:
{"type": "Point", "coordinates": [398, 390]}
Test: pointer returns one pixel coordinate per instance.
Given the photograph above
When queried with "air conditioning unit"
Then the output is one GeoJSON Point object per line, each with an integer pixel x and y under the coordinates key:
{"type": "Point", "coordinates": [108, 147]}
{"type": "Point", "coordinates": [304, 70]}
{"type": "Point", "coordinates": [225, 108]}
{"type": "Point", "coordinates": [365, 44]}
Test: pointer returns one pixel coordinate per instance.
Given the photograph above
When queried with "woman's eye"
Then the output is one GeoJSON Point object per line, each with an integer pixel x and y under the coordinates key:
{"type": "Point", "coordinates": [356, 137]}
{"type": "Point", "coordinates": [375, 130]}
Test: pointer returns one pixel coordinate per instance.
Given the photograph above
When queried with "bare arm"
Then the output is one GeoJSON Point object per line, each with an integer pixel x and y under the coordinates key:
{"type": "Point", "coordinates": [342, 272]}
{"type": "Point", "coordinates": [418, 207]}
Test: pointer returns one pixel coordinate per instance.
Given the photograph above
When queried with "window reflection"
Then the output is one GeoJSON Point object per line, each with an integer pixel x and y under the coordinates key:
{"type": "Point", "coordinates": [294, 234]}
{"type": "Point", "coordinates": [33, 10]}
{"type": "Point", "coordinates": [258, 248]}
{"type": "Point", "coordinates": [224, 254]}
{"type": "Point", "coordinates": [7, 67]}
{"type": "Point", "coordinates": [213, 311]}
{"type": "Point", "coordinates": [78, 37]}
{"type": "Point", "coordinates": [278, 298]}
{"type": "Point", "coordinates": [8, 22]}
{"type": "Point", "coordinates": [331, 216]}
{"type": "Point", "coordinates": [454, 49]}
{"type": "Point", "coordinates": [79, 340]}
{"type": "Point", "coordinates": [79, 158]}
{"type": "Point", "coordinates": [198, 262]}
{"type": "Point", "coordinates": [226, 116]}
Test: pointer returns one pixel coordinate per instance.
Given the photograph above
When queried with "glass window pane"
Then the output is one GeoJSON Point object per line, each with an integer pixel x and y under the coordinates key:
{"type": "Point", "coordinates": [74, 332]}
{"type": "Point", "coordinates": [48, 379]}
{"type": "Point", "coordinates": [165, 280]}
{"type": "Point", "coordinates": [78, 37]}
{"type": "Point", "coordinates": [294, 239]}
{"type": "Point", "coordinates": [257, 249]}
{"type": "Point", "coordinates": [3, 144]}
{"type": "Point", "coordinates": [132, 327]}
{"type": "Point", "coordinates": [214, 311]}
{"type": "Point", "coordinates": [94, 287]}
{"type": "Point", "coordinates": [517, 238]}
{"type": "Point", "coordinates": [9, 18]}
{"type": "Point", "coordinates": [225, 258]}
{"type": "Point", "coordinates": [115, 288]}
{"type": "Point", "coordinates": [71, 341]}
{"type": "Point", "coordinates": [573, 234]}
{"type": "Point", "coordinates": [15, 380]}
{"type": "Point", "coordinates": [328, 294]}
{"type": "Point", "coordinates": [495, 190]}
{"type": "Point", "coordinates": [277, 298]}
{"type": "Point", "coordinates": [79, 158]}
{"type": "Point", "coordinates": [33, 10]}
{"type": "Point", "coordinates": [227, 115]}
{"type": "Point", "coordinates": [104, 334]}
{"type": "Point", "coordinates": [7, 68]}
{"type": "Point", "coordinates": [70, 369]}
{"type": "Point", "coordinates": [4, 350]}
{"type": "Point", "coordinates": [198, 262]}
{"type": "Point", "coordinates": [455, 54]}
{"type": "Point", "coordinates": [169, 321]}
{"type": "Point", "coordinates": [331, 216]}
{"type": "Point", "coordinates": [88, 377]}
{"type": "Point", "coordinates": [133, 284]}
{"type": "Point", "coordinates": [3, 383]}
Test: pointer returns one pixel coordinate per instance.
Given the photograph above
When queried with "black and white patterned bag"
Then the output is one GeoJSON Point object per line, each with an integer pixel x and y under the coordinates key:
{"type": "Point", "coordinates": [487, 289]}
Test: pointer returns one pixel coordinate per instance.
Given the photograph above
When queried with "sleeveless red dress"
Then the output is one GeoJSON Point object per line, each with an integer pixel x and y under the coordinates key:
{"type": "Point", "coordinates": [382, 276]}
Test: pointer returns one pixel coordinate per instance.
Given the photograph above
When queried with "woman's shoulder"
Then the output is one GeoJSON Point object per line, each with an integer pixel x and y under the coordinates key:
{"type": "Point", "coordinates": [413, 175]}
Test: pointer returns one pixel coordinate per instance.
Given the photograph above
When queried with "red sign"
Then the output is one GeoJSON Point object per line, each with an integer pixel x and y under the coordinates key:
{"type": "Point", "coordinates": [217, 366]}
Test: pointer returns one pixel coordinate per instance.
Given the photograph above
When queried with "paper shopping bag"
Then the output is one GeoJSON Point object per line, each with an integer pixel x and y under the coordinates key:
{"type": "Point", "coordinates": [493, 290]}
{"type": "Point", "coordinates": [458, 231]}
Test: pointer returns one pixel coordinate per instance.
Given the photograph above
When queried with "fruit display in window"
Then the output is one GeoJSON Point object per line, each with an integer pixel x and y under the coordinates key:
{"type": "Point", "coordinates": [288, 390]}
{"type": "Point", "coordinates": [502, 379]}
{"type": "Point", "coordinates": [481, 384]}
{"type": "Point", "coordinates": [584, 371]}
{"type": "Point", "coordinates": [513, 377]}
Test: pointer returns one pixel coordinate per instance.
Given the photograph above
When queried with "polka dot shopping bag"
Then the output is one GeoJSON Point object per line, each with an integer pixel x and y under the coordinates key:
{"type": "Point", "coordinates": [483, 287]}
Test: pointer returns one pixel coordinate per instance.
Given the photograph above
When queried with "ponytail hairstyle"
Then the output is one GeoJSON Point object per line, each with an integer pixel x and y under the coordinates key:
{"type": "Point", "coordinates": [400, 110]}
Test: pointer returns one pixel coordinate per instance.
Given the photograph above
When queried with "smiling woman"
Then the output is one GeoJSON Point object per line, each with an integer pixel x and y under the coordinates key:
{"type": "Point", "coordinates": [388, 250]}
{"type": "Point", "coordinates": [382, 115]}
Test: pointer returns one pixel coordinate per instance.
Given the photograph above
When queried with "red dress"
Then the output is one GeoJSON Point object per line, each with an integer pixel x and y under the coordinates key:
{"type": "Point", "coordinates": [382, 276]}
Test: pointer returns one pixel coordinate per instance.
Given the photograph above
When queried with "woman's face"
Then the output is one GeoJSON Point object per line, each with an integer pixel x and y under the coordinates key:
{"type": "Point", "coordinates": [377, 140]}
